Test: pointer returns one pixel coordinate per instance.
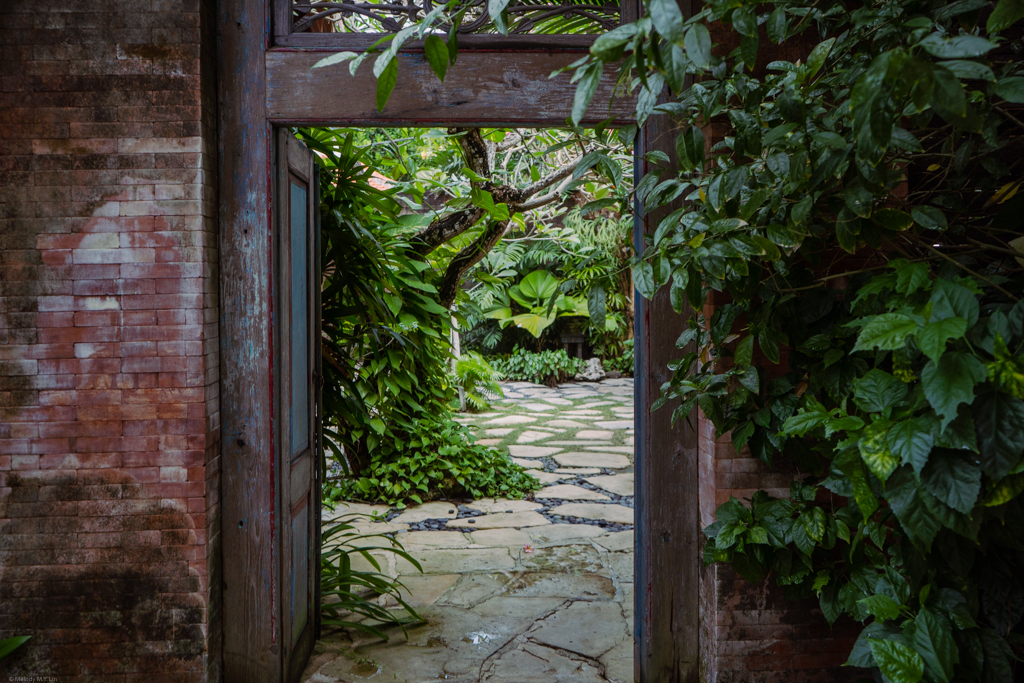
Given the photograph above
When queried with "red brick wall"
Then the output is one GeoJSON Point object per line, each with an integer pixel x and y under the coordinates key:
{"type": "Point", "coordinates": [751, 633]}
{"type": "Point", "coordinates": [109, 426]}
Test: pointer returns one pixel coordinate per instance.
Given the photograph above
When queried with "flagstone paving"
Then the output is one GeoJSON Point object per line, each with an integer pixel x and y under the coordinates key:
{"type": "Point", "coordinates": [515, 591]}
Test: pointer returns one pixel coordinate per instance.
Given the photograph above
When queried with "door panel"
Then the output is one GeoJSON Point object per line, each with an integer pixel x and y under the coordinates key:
{"type": "Point", "coordinates": [297, 313]}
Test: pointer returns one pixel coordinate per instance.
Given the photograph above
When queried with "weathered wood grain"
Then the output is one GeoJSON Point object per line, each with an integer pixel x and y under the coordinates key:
{"type": "Point", "coordinates": [487, 88]}
{"type": "Point", "coordinates": [667, 527]}
{"type": "Point", "coordinates": [250, 510]}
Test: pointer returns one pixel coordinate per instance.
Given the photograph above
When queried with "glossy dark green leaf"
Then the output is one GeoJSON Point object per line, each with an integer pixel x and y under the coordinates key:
{"type": "Point", "coordinates": [697, 43]}
{"type": "Point", "coordinates": [908, 506]}
{"type": "Point", "coordinates": [1007, 13]}
{"type": "Point", "coordinates": [882, 607]}
{"type": "Point", "coordinates": [934, 642]}
{"type": "Point", "coordinates": [957, 47]}
{"type": "Point", "coordinates": [952, 479]}
{"type": "Point", "coordinates": [1011, 89]}
{"type": "Point", "coordinates": [386, 83]}
{"type": "Point", "coordinates": [929, 217]}
{"type": "Point", "coordinates": [888, 331]}
{"type": "Point", "coordinates": [436, 52]}
{"type": "Point", "coordinates": [898, 663]}
{"type": "Point", "coordinates": [911, 440]}
{"type": "Point", "coordinates": [643, 275]}
{"type": "Point", "coordinates": [776, 26]}
{"type": "Point", "coordinates": [878, 390]}
{"type": "Point", "coordinates": [950, 382]}
{"type": "Point", "coordinates": [999, 420]}
{"type": "Point", "coordinates": [667, 19]}
{"type": "Point", "coordinates": [585, 90]}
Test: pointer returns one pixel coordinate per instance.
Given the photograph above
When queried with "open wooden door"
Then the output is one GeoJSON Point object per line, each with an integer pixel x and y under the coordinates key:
{"type": "Point", "coordinates": [297, 380]}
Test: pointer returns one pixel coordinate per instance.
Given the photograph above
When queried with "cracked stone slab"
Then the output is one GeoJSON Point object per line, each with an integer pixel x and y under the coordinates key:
{"type": "Point", "coordinates": [587, 628]}
{"type": "Point", "coordinates": [614, 424]}
{"type": "Point", "coordinates": [549, 477]}
{"type": "Point", "coordinates": [610, 460]}
{"type": "Point", "coordinates": [424, 589]}
{"type": "Point", "coordinates": [458, 561]}
{"type": "Point", "coordinates": [488, 442]}
{"type": "Point", "coordinates": [620, 514]}
{"type": "Point", "coordinates": [423, 540]}
{"type": "Point", "coordinates": [502, 505]}
{"type": "Point", "coordinates": [428, 511]}
{"type": "Point", "coordinates": [565, 423]}
{"type": "Point", "coordinates": [500, 538]}
{"type": "Point", "coordinates": [577, 443]}
{"type": "Point", "coordinates": [475, 588]}
{"type": "Point", "coordinates": [499, 521]}
{"type": "Point", "coordinates": [531, 435]}
{"type": "Point", "coordinates": [499, 431]}
{"type": "Point", "coordinates": [512, 420]}
{"type": "Point", "coordinates": [616, 541]}
{"type": "Point", "coordinates": [577, 471]}
{"type": "Point", "coordinates": [535, 663]}
{"type": "Point", "coordinates": [619, 484]}
{"type": "Point", "coordinates": [611, 449]}
{"type": "Point", "coordinates": [595, 434]}
{"type": "Point", "coordinates": [528, 464]}
{"type": "Point", "coordinates": [570, 492]}
{"type": "Point", "coordinates": [618, 663]}
{"type": "Point", "coordinates": [537, 406]}
{"type": "Point", "coordinates": [533, 451]}
{"type": "Point", "coordinates": [556, 400]}
{"type": "Point", "coordinates": [561, 534]}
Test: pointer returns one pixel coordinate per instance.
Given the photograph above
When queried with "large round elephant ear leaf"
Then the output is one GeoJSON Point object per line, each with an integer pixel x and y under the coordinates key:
{"type": "Point", "coordinates": [520, 297]}
{"type": "Point", "coordinates": [540, 285]}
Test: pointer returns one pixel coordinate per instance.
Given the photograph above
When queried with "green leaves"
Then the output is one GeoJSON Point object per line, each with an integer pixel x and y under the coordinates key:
{"type": "Point", "coordinates": [878, 390]}
{"type": "Point", "coordinates": [898, 662]}
{"type": "Point", "coordinates": [950, 382]}
{"type": "Point", "coordinates": [1011, 89]}
{"type": "Point", "coordinates": [667, 19]}
{"type": "Point", "coordinates": [957, 47]}
{"type": "Point", "coordinates": [999, 419]}
{"type": "Point", "coordinates": [952, 479]}
{"type": "Point", "coordinates": [929, 217]}
{"type": "Point", "coordinates": [950, 299]}
{"type": "Point", "coordinates": [690, 148]}
{"type": "Point", "coordinates": [1007, 13]}
{"type": "Point", "coordinates": [590, 79]}
{"type": "Point", "coordinates": [697, 43]}
{"type": "Point", "coordinates": [887, 331]}
{"type": "Point", "coordinates": [881, 607]}
{"type": "Point", "coordinates": [386, 81]}
{"type": "Point", "coordinates": [874, 451]}
{"type": "Point", "coordinates": [932, 338]}
{"type": "Point", "coordinates": [934, 643]}
{"type": "Point", "coordinates": [436, 51]}
{"type": "Point", "coordinates": [643, 276]}
{"type": "Point", "coordinates": [911, 440]}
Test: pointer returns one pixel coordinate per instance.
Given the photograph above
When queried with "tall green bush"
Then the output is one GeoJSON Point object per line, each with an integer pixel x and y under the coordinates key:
{"type": "Point", "coordinates": [388, 389]}
{"type": "Point", "coordinates": [861, 225]}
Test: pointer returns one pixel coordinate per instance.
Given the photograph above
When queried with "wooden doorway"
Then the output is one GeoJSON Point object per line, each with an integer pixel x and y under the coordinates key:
{"type": "Point", "coordinates": [266, 80]}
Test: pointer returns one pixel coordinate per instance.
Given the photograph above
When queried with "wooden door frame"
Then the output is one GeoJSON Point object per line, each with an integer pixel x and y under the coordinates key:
{"type": "Point", "coordinates": [261, 87]}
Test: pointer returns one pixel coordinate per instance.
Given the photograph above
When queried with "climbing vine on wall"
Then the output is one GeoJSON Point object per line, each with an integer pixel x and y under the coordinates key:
{"type": "Point", "coordinates": [859, 229]}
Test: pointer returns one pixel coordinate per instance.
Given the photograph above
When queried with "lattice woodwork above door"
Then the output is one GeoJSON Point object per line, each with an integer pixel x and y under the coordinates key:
{"type": "Point", "coordinates": [357, 24]}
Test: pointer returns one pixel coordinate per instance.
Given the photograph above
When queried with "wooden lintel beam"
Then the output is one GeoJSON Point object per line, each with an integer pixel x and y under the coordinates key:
{"type": "Point", "coordinates": [482, 88]}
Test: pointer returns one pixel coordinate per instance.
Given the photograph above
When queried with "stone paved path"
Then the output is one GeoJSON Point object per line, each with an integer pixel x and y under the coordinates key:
{"type": "Point", "coordinates": [530, 591]}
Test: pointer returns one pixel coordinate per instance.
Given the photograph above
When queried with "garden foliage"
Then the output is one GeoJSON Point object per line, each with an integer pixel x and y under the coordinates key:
{"type": "Point", "coordinates": [859, 227]}
{"type": "Point", "coordinates": [349, 596]}
{"type": "Point", "coordinates": [388, 389]}
{"type": "Point", "coordinates": [544, 367]}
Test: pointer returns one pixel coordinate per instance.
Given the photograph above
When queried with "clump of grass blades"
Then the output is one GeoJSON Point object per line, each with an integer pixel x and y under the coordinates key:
{"type": "Point", "coordinates": [350, 597]}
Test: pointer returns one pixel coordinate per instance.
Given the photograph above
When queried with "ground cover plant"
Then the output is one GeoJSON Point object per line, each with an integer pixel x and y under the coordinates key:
{"type": "Point", "coordinates": [542, 367]}
{"type": "Point", "coordinates": [859, 228]}
{"type": "Point", "coordinates": [349, 596]}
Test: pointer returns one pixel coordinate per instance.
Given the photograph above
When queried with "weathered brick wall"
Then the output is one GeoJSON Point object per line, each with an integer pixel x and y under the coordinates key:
{"type": "Point", "coordinates": [753, 634]}
{"type": "Point", "coordinates": [109, 426]}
